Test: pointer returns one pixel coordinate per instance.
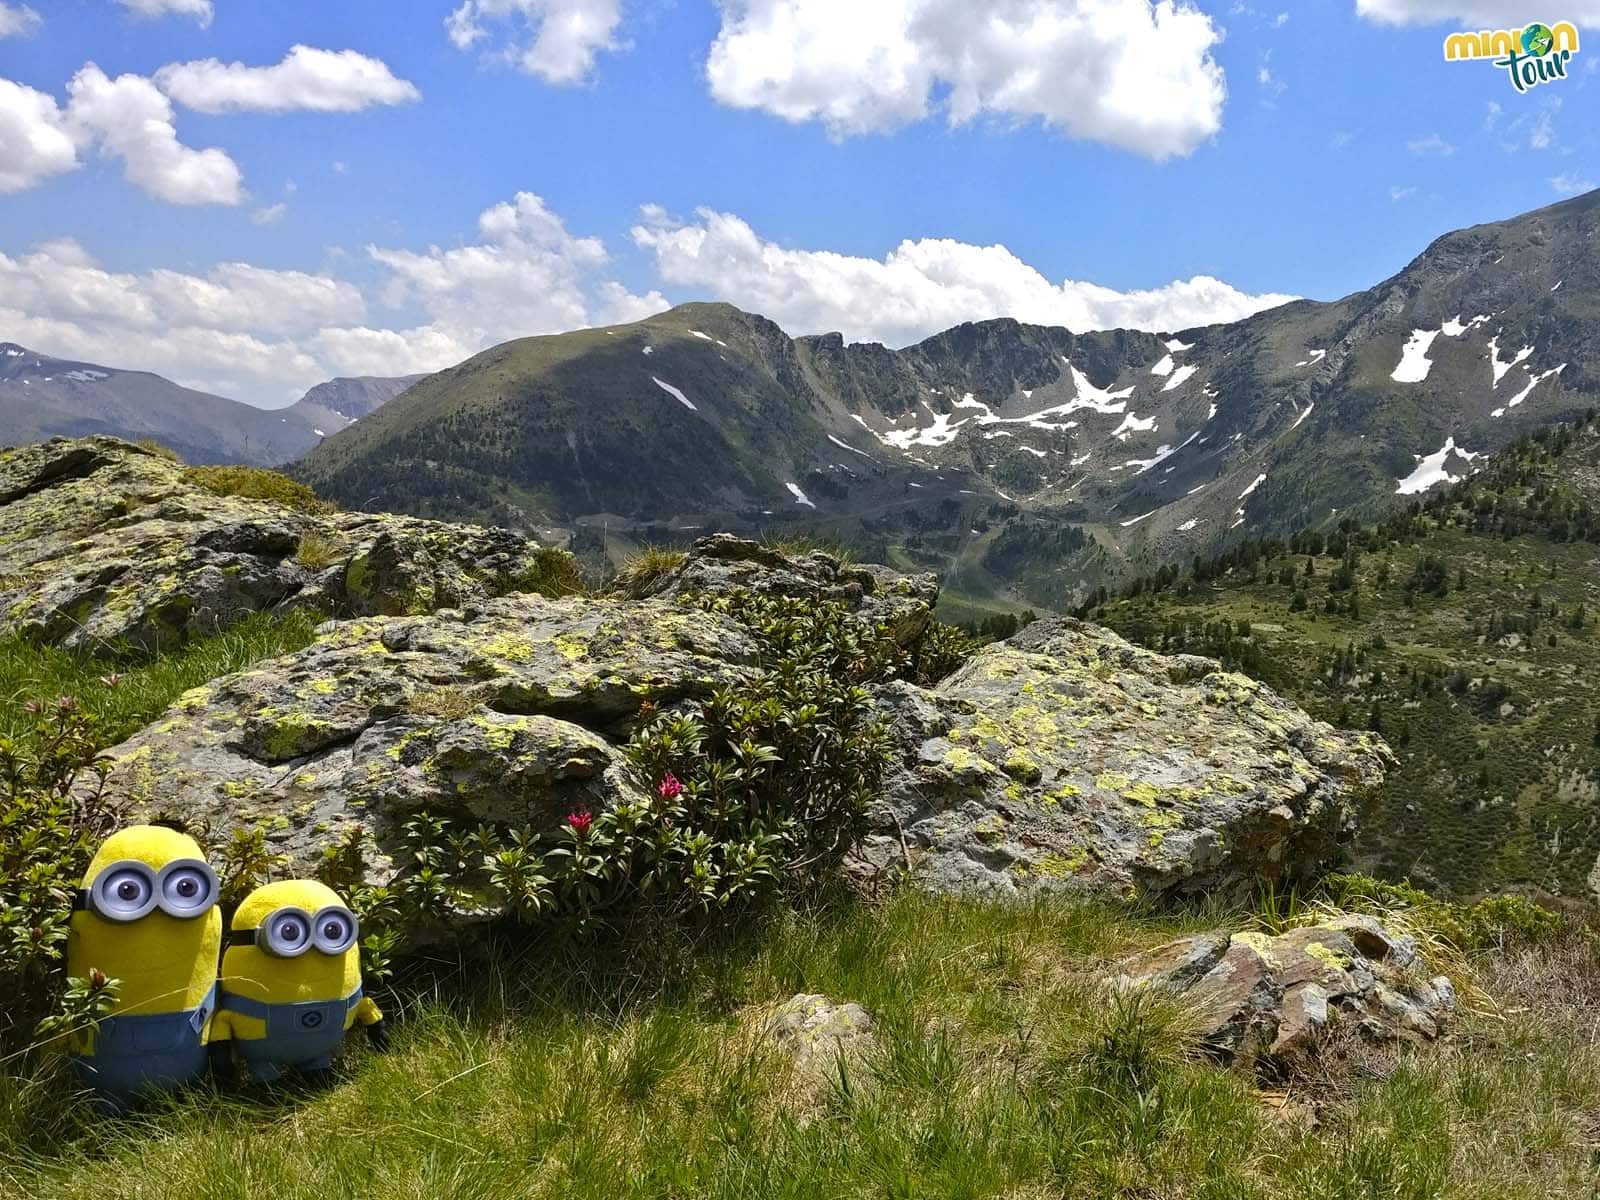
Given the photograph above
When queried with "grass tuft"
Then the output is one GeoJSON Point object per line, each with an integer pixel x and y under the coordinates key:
{"type": "Point", "coordinates": [257, 483]}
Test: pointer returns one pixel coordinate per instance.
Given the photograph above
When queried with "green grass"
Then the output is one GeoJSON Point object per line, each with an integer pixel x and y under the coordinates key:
{"type": "Point", "coordinates": [257, 483]}
{"type": "Point", "coordinates": [999, 1069]}
{"type": "Point", "coordinates": [646, 566]}
{"type": "Point", "coordinates": [145, 686]}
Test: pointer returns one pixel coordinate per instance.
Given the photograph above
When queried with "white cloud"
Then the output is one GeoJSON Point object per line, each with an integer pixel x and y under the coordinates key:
{"type": "Point", "coordinates": [1398, 193]}
{"type": "Point", "coordinates": [1533, 125]}
{"type": "Point", "coordinates": [917, 289]}
{"type": "Point", "coordinates": [1475, 14]}
{"type": "Point", "coordinates": [307, 78]}
{"type": "Point", "coordinates": [34, 142]}
{"type": "Point", "coordinates": [18, 20]}
{"type": "Point", "coordinates": [1431, 146]}
{"type": "Point", "coordinates": [129, 118]}
{"type": "Point", "coordinates": [266, 335]}
{"type": "Point", "coordinates": [200, 10]}
{"type": "Point", "coordinates": [562, 37]}
{"type": "Point", "coordinates": [871, 67]}
{"type": "Point", "coordinates": [270, 215]}
{"type": "Point", "coordinates": [232, 330]}
{"type": "Point", "coordinates": [525, 275]}
{"type": "Point", "coordinates": [1572, 184]}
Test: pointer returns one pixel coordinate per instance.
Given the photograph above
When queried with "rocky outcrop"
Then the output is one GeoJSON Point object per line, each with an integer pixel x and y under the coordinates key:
{"type": "Point", "coordinates": [105, 542]}
{"type": "Point", "coordinates": [510, 710]}
{"type": "Point", "coordinates": [1066, 757]}
{"type": "Point", "coordinates": [723, 563]}
{"type": "Point", "coordinates": [813, 1029]}
{"type": "Point", "coordinates": [1258, 997]}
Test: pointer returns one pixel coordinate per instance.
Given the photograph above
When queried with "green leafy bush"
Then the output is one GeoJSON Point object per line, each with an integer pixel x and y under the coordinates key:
{"type": "Point", "coordinates": [257, 483]}
{"type": "Point", "coordinates": [49, 829]}
{"type": "Point", "coordinates": [756, 790]}
{"type": "Point", "coordinates": [940, 651]}
{"type": "Point", "coordinates": [1495, 921]}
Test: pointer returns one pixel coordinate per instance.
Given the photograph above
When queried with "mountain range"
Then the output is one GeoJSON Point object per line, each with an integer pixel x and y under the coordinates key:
{"type": "Point", "coordinates": [1026, 463]}
{"type": "Point", "coordinates": [43, 397]}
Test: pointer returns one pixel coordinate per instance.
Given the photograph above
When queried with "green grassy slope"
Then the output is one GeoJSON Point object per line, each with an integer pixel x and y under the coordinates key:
{"type": "Point", "coordinates": [1000, 1069]}
{"type": "Point", "coordinates": [1471, 643]}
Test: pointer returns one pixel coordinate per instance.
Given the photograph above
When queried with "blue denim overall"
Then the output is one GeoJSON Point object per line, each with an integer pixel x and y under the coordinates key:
{"type": "Point", "coordinates": [303, 1035]}
{"type": "Point", "coordinates": [145, 1052]}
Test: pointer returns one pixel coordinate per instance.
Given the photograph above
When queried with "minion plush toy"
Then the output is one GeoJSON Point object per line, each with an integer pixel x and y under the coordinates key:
{"type": "Point", "coordinates": [291, 980]}
{"type": "Point", "coordinates": [147, 916]}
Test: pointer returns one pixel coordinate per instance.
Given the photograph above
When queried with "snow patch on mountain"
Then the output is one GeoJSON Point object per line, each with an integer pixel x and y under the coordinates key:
{"type": "Point", "coordinates": [1432, 469]}
{"type": "Point", "coordinates": [1414, 361]}
{"type": "Point", "coordinates": [675, 394]}
{"type": "Point", "coordinates": [1501, 367]}
{"type": "Point", "coordinates": [1180, 377]}
{"type": "Point", "coordinates": [800, 497]}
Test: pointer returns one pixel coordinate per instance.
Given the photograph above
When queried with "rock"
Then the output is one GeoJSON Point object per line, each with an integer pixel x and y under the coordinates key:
{"type": "Point", "coordinates": [1067, 757]}
{"type": "Point", "coordinates": [723, 563]}
{"type": "Point", "coordinates": [508, 711]}
{"type": "Point", "coordinates": [1063, 758]}
{"type": "Point", "coordinates": [816, 1029]}
{"type": "Point", "coordinates": [1272, 998]}
{"type": "Point", "coordinates": [103, 541]}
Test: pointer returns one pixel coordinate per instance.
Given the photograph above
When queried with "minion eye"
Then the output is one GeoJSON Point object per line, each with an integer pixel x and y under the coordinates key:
{"type": "Point", "coordinates": [124, 892]}
{"type": "Point", "coordinates": [288, 933]}
{"type": "Point", "coordinates": [188, 889]}
{"type": "Point", "coordinates": [336, 930]}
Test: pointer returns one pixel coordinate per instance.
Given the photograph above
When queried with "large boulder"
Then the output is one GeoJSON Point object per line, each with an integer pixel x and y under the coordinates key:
{"type": "Point", "coordinates": [509, 711]}
{"type": "Point", "coordinates": [105, 542]}
{"type": "Point", "coordinates": [1260, 998]}
{"type": "Point", "coordinates": [1067, 757]}
{"type": "Point", "coordinates": [1064, 757]}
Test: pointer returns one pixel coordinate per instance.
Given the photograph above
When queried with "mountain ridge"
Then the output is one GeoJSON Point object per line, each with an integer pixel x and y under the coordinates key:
{"type": "Point", "coordinates": [1155, 447]}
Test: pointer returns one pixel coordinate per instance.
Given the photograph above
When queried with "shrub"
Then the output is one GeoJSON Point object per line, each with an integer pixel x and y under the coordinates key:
{"type": "Point", "coordinates": [50, 830]}
{"type": "Point", "coordinates": [939, 652]}
{"type": "Point", "coordinates": [552, 572]}
{"type": "Point", "coordinates": [1495, 921]}
{"type": "Point", "coordinates": [257, 483]}
{"type": "Point", "coordinates": [760, 788]}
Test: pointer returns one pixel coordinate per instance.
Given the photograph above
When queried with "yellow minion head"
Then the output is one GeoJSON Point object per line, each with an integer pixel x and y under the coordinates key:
{"type": "Point", "coordinates": [147, 915]}
{"type": "Point", "coordinates": [292, 942]}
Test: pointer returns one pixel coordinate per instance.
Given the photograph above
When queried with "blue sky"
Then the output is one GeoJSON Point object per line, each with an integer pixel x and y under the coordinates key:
{"type": "Point", "coordinates": [482, 170]}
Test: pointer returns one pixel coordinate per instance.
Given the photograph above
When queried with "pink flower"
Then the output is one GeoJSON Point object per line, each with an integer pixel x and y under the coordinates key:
{"type": "Point", "coordinates": [580, 822]}
{"type": "Point", "coordinates": [670, 788]}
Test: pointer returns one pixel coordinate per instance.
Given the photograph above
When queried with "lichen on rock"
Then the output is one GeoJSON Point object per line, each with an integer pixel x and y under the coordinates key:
{"type": "Point", "coordinates": [104, 543]}
{"type": "Point", "coordinates": [1066, 757]}
{"type": "Point", "coordinates": [1273, 998]}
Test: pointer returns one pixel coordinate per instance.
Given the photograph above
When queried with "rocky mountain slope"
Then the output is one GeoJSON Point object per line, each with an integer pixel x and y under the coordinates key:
{"type": "Point", "coordinates": [43, 397]}
{"type": "Point", "coordinates": [1023, 461]}
{"type": "Point", "coordinates": [331, 406]}
{"type": "Point", "coordinates": [1466, 631]}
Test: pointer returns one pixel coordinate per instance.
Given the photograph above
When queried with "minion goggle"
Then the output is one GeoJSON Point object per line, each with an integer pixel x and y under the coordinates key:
{"type": "Point", "coordinates": [290, 932]}
{"type": "Point", "coordinates": [129, 889]}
